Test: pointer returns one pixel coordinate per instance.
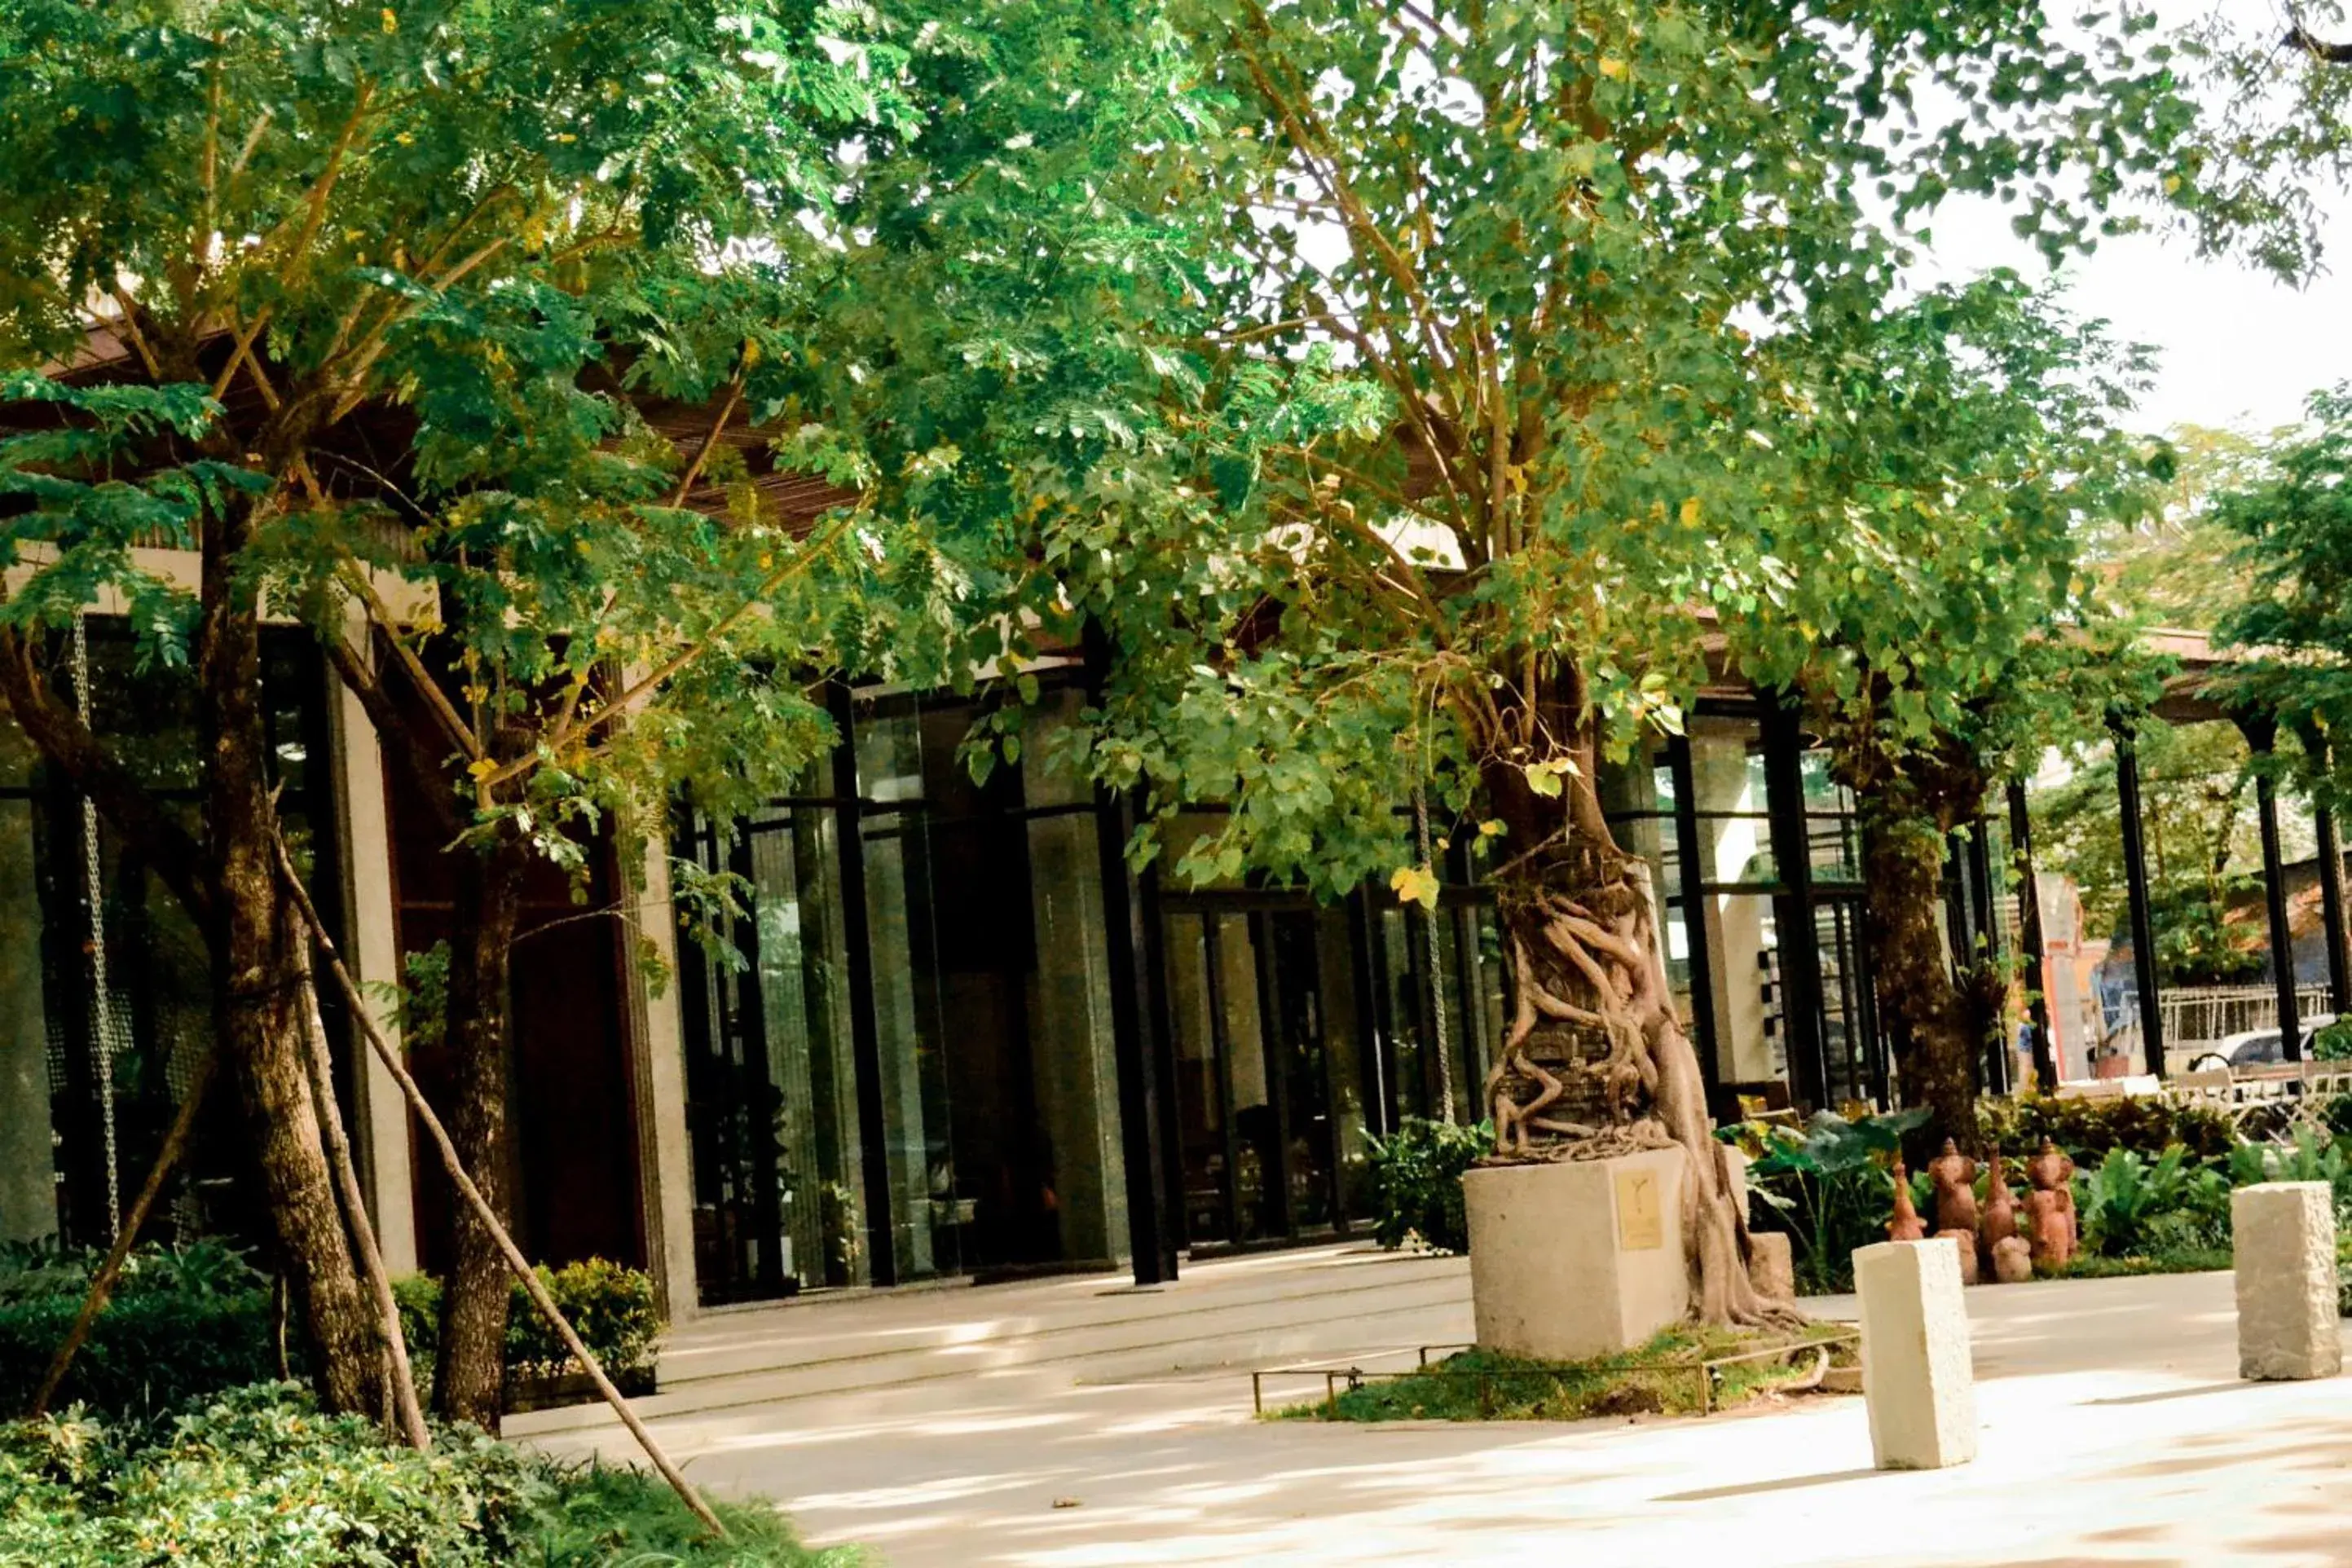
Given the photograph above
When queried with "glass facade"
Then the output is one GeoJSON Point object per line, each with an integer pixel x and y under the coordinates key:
{"type": "Point", "coordinates": [106, 998]}
{"type": "Point", "coordinates": [906, 1063]}
{"type": "Point", "coordinates": [1775, 855]}
{"type": "Point", "coordinates": [899, 1056]}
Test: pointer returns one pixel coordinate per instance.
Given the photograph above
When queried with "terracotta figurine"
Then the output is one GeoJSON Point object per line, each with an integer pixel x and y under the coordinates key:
{"type": "Point", "coordinates": [1905, 1225]}
{"type": "Point", "coordinates": [1964, 1242]}
{"type": "Point", "coordinates": [1954, 1175]}
{"type": "Point", "coordinates": [1997, 1222]}
{"type": "Point", "coordinates": [2052, 1171]}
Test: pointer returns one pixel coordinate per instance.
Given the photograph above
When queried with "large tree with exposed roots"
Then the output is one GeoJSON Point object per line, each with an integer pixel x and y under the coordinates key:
{"type": "Point", "coordinates": [1491, 352]}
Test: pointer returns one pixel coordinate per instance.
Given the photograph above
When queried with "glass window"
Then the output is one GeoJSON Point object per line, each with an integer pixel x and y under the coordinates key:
{"type": "Point", "coordinates": [1751, 1041]}
{"type": "Point", "coordinates": [1728, 784]}
{"type": "Point", "coordinates": [927, 1212]}
{"type": "Point", "coordinates": [1200, 1088]}
{"type": "Point", "coordinates": [29, 1190]}
{"type": "Point", "coordinates": [804, 1008]}
{"type": "Point", "coordinates": [1074, 1068]}
{"type": "Point", "coordinates": [106, 991]}
{"type": "Point", "coordinates": [1832, 835]}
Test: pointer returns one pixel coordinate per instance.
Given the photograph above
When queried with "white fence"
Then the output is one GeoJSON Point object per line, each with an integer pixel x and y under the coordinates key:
{"type": "Point", "coordinates": [2199, 1016]}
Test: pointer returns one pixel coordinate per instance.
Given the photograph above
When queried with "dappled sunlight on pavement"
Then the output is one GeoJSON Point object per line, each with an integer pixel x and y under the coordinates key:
{"type": "Point", "coordinates": [2115, 1431]}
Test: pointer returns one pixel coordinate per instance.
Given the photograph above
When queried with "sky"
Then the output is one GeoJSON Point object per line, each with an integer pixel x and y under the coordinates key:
{"type": "Point", "coordinates": [2236, 347]}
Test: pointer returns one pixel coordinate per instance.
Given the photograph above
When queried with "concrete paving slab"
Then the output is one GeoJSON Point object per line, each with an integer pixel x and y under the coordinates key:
{"type": "Point", "coordinates": [2114, 1430]}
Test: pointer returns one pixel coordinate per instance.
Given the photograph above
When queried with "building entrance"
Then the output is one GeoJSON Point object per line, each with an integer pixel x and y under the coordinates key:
{"type": "Point", "coordinates": [1267, 1052]}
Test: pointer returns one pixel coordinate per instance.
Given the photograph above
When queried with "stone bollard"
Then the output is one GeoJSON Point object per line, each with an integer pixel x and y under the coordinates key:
{"type": "Point", "coordinates": [2282, 1244]}
{"type": "Point", "coordinates": [1916, 1376]}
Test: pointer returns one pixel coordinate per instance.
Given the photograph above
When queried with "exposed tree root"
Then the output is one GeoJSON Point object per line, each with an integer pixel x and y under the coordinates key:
{"type": "Point", "coordinates": [1592, 985]}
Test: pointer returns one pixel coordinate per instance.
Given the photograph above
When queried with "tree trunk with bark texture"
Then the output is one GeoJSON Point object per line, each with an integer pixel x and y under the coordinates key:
{"type": "Point", "coordinates": [469, 1372]}
{"type": "Point", "coordinates": [1595, 1062]}
{"type": "Point", "coordinates": [1928, 1016]}
{"type": "Point", "coordinates": [257, 990]}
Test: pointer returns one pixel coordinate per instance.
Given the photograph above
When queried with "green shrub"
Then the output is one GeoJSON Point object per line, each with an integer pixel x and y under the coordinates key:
{"type": "Point", "coordinates": [2087, 1129]}
{"type": "Point", "coordinates": [2337, 1112]}
{"type": "Point", "coordinates": [2333, 1043]}
{"type": "Point", "coordinates": [258, 1476]}
{"type": "Point", "coordinates": [183, 1323]}
{"type": "Point", "coordinates": [1828, 1187]}
{"type": "Point", "coordinates": [615, 1311]}
{"type": "Point", "coordinates": [187, 1322]}
{"type": "Point", "coordinates": [1417, 1181]}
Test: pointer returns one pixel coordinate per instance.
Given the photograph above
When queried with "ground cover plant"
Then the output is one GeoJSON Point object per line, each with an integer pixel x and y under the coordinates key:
{"type": "Point", "coordinates": [1654, 1380]}
{"type": "Point", "coordinates": [260, 1475]}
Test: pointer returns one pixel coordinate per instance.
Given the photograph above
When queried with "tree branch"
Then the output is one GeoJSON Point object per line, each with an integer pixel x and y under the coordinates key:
{"type": "Point", "coordinates": [2318, 48]}
{"type": "Point", "coordinates": [801, 559]}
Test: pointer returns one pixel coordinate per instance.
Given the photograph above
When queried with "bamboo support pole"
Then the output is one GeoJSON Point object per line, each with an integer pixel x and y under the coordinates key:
{"type": "Point", "coordinates": [410, 1415]}
{"type": "Point", "coordinates": [473, 1195]}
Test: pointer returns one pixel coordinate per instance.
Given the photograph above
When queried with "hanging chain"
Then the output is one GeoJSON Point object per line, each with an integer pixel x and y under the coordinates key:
{"type": "Point", "coordinates": [1437, 969]}
{"type": "Point", "coordinates": [102, 999]}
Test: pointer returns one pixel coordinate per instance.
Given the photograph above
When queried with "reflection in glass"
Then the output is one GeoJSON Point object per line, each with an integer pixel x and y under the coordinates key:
{"type": "Point", "coordinates": [1744, 945]}
{"type": "Point", "coordinates": [1077, 1074]}
{"type": "Point", "coordinates": [1200, 1088]}
{"type": "Point", "coordinates": [925, 1209]}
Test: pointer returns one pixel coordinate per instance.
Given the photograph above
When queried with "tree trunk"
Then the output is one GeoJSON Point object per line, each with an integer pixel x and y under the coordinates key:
{"type": "Point", "coordinates": [470, 1369]}
{"type": "Point", "coordinates": [258, 995]}
{"type": "Point", "coordinates": [1595, 1062]}
{"type": "Point", "coordinates": [1929, 1017]}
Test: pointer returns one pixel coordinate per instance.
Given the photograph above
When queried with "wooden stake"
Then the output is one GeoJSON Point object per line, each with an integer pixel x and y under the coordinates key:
{"type": "Point", "coordinates": [347, 1180]}
{"type": "Point", "coordinates": [520, 1266]}
{"type": "Point", "coordinates": [101, 1285]}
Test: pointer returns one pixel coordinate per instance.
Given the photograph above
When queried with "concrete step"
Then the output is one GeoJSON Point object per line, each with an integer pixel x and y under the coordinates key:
{"type": "Point", "coordinates": [1224, 1314]}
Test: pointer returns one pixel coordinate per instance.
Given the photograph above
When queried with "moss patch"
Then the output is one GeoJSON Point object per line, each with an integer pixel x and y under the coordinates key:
{"type": "Point", "coordinates": [1659, 1379]}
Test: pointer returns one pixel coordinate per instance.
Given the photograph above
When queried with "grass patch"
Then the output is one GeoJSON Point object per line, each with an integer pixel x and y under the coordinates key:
{"type": "Point", "coordinates": [1655, 1380]}
{"type": "Point", "coordinates": [2183, 1261]}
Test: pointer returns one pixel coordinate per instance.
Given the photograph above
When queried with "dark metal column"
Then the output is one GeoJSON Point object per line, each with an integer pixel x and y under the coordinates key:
{"type": "Point", "coordinates": [857, 955]}
{"type": "Point", "coordinates": [1800, 942]}
{"type": "Point", "coordinates": [1137, 1045]}
{"type": "Point", "coordinates": [1137, 1016]}
{"type": "Point", "coordinates": [2331, 873]}
{"type": "Point", "coordinates": [2261, 733]}
{"type": "Point", "coordinates": [1985, 945]}
{"type": "Point", "coordinates": [1689, 854]}
{"type": "Point", "coordinates": [2030, 937]}
{"type": "Point", "coordinates": [2143, 923]}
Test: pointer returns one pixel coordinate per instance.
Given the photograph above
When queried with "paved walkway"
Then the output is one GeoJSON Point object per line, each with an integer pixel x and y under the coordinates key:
{"type": "Point", "coordinates": [2114, 1430]}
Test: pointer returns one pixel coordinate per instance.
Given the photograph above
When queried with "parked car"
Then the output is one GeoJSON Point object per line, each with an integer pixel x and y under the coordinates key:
{"type": "Point", "coordinates": [2260, 1048]}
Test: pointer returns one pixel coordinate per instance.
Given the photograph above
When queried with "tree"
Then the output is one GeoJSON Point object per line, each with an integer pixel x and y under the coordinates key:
{"type": "Point", "coordinates": [2176, 566]}
{"type": "Point", "coordinates": [2293, 626]}
{"type": "Point", "coordinates": [352, 253]}
{"type": "Point", "coordinates": [1514, 329]}
{"type": "Point", "coordinates": [1950, 636]}
{"type": "Point", "coordinates": [2204, 858]}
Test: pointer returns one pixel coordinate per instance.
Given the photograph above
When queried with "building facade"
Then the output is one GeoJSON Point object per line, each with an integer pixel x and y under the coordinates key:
{"type": "Point", "coordinates": [951, 1034]}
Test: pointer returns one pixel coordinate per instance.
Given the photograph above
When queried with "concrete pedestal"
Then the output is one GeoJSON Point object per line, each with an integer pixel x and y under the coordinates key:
{"type": "Point", "coordinates": [2282, 1240]}
{"type": "Point", "coordinates": [1578, 1258]}
{"type": "Point", "coordinates": [1917, 1377]}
